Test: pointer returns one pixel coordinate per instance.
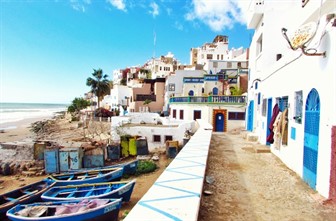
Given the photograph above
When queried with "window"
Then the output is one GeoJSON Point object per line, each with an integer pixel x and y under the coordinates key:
{"type": "Point", "coordinates": [282, 102]}
{"type": "Point", "coordinates": [168, 137]}
{"type": "Point", "coordinates": [229, 64]}
{"type": "Point", "coordinates": [222, 57]}
{"type": "Point", "coordinates": [218, 57]}
{"type": "Point", "coordinates": [264, 105]}
{"type": "Point", "coordinates": [197, 114]}
{"type": "Point", "coordinates": [298, 107]}
{"type": "Point", "coordinates": [259, 98]}
{"type": "Point", "coordinates": [236, 116]}
{"type": "Point", "coordinates": [209, 56]}
{"type": "Point", "coordinates": [181, 114]}
{"type": "Point", "coordinates": [171, 87]}
{"type": "Point", "coordinates": [174, 113]}
{"type": "Point", "coordinates": [156, 138]}
{"type": "Point", "coordinates": [215, 64]}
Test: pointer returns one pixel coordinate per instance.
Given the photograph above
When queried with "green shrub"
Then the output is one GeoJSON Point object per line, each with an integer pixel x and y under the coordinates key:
{"type": "Point", "coordinates": [145, 166]}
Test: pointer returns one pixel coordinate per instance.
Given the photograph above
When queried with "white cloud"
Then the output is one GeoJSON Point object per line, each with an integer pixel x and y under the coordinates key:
{"type": "Point", "coordinates": [79, 5]}
{"type": "Point", "coordinates": [155, 9]}
{"type": "Point", "coordinates": [119, 4]}
{"type": "Point", "coordinates": [218, 14]}
{"type": "Point", "coordinates": [178, 26]}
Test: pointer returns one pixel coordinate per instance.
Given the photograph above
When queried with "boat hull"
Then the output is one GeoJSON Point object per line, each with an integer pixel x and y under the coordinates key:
{"type": "Point", "coordinates": [122, 189]}
{"type": "Point", "coordinates": [26, 194]}
{"type": "Point", "coordinates": [108, 212]}
{"type": "Point", "coordinates": [84, 177]}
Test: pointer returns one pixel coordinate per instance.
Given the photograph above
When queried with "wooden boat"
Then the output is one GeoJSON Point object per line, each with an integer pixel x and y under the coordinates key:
{"type": "Point", "coordinates": [26, 194]}
{"type": "Point", "coordinates": [74, 210]}
{"type": "Point", "coordinates": [129, 167]}
{"type": "Point", "coordinates": [87, 176]}
{"type": "Point", "coordinates": [121, 189]}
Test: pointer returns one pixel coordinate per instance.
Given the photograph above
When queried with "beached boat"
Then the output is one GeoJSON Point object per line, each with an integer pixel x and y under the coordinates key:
{"type": "Point", "coordinates": [26, 194]}
{"type": "Point", "coordinates": [129, 167]}
{"type": "Point", "coordinates": [74, 210]}
{"type": "Point", "coordinates": [87, 176]}
{"type": "Point", "coordinates": [121, 189]}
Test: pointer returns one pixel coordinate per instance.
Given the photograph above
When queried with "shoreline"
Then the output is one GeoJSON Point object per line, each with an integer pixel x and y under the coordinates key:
{"type": "Point", "coordinates": [19, 130]}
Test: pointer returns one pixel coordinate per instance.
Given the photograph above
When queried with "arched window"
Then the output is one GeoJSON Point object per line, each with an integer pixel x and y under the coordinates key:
{"type": "Point", "coordinates": [215, 91]}
{"type": "Point", "coordinates": [191, 93]}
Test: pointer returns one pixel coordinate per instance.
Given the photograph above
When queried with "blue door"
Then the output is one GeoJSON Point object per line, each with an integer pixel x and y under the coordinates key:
{"type": "Point", "coordinates": [269, 117]}
{"type": "Point", "coordinates": [51, 162]}
{"type": "Point", "coordinates": [219, 122]}
{"type": "Point", "coordinates": [311, 137]}
{"type": "Point", "coordinates": [215, 91]}
{"type": "Point", "coordinates": [250, 116]}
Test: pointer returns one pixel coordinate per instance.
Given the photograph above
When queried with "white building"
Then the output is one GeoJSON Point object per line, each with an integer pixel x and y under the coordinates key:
{"type": "Point", "coordinates": [118, 97]}
{"type": "Point", "coordinates": [162, 66]}
{"type": "Point", "coordinates": [174, 84]}
{"type": "Point", "coordinates": [291, 103]}
{"type": "Point", "coordinates": [217, 50]}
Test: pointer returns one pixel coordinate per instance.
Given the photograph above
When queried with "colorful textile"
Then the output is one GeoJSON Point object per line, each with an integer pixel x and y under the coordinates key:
{"type": "Point", "coordinates": [275, 113]}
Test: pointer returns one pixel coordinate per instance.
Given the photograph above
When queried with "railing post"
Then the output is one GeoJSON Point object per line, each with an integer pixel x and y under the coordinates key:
{"type": "Point", "coordinates": [210, 98]}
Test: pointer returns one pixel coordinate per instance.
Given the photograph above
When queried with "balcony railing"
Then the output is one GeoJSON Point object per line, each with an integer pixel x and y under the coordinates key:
{"type": "Point", "coordinates": [209, 99]}
{"type": "Point", "coordinates": [143, 97]}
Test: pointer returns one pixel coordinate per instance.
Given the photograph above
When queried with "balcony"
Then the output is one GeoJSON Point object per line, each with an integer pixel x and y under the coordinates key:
{"type": "Point", "coordinates": [255, 13]}
{"type": "Point", "coordinates": [215, 99]}
{"type": "Point", "coordinates": [143, 97]}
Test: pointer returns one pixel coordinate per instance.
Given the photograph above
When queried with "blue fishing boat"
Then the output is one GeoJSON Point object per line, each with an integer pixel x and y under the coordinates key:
{"type": "Point", "coordinates": [87, 176]}
{"type": "Point", "coordinates": [121, 189]}
{"type": "Point", "coordinates": [26, 194]}
{"type": "Point", "coordinates": [129, 167]}
{"type": "Point", "coordinates": [74, 210]}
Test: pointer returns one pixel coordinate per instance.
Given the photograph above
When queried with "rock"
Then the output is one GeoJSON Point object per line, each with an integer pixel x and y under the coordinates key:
{"type": "Point", "coordinates": [209, 179]}
{"type": "Point", "coordinates": [5, 168]}
{"type": "Point", "coordinates": [155, 158]}
{"type": "Point", "coordinates": [143, 157]}
{"type": "Point", "coordinates": [29, 173]}
{"type": "Point", "coordinates": [207, 192]}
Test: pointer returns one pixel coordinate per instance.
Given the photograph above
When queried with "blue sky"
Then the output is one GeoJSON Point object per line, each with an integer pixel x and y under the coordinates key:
{"type": "Point", "coordinates": [50, 47]}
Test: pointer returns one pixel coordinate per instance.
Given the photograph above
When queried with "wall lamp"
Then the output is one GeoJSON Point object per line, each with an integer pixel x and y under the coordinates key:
{"type": "Point", "coordinates": [301, 37]}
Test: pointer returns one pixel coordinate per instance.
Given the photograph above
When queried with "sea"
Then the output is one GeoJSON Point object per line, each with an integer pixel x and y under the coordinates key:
{"type": "Point", "coordinates": [12, 113]}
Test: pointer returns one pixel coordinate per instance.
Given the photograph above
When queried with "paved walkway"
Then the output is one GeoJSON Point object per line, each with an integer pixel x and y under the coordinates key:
{"type": "Point", "coordinates": [256, 186]}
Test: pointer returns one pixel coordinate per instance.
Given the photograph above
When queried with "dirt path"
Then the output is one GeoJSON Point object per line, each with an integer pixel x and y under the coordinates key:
{"type": "Point", "coordinates": [256, 186]}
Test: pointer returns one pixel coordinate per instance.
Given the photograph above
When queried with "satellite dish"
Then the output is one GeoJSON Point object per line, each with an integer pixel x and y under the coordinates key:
{"type": "Point", "coordinates": [303, 35]}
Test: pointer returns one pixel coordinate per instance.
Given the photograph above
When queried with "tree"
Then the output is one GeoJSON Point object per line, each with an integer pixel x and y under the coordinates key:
{"type": "Point", "coordinates": [236, 91]}
{"type": "Point", "coordinates": [77, 105]}
{"type": "Point", "coordinates": [100, 85]}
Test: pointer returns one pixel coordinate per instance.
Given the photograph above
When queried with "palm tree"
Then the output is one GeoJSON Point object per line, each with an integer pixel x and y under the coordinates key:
{"type": "Point", "coordinates": [100, 85]}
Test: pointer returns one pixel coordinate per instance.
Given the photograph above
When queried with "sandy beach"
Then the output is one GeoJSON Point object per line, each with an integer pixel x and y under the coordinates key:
{"type": "Point", "coordinates": [19, 130]}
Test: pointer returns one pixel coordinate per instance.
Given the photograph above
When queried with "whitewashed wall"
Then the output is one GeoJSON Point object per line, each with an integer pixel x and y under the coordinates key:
{"type": "Point", "coordinates": [295, 72]}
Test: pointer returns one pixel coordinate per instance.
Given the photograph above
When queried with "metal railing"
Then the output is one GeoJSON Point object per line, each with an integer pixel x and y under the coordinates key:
{"type": "Point", "coordinates": [209, 99]}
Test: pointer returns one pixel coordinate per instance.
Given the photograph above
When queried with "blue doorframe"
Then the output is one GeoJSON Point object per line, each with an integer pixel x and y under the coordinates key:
{"type": "Point", "coordinates": [219, 122]}
{"type": "Point", "coordinates": [250, 116]}
{"type": "Point", "coordinates": [269, 117]}
{"type": "Point", "coordinates": [311, 138]}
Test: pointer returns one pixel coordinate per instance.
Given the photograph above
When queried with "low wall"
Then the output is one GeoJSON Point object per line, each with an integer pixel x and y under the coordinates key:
{"type": "Point", "coordinates": [176, 194]}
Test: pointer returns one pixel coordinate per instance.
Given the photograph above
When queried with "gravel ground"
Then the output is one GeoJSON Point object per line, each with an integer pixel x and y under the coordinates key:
{"type": "Point", "coordinates": [256, 186]}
